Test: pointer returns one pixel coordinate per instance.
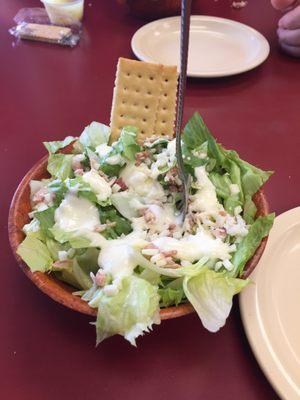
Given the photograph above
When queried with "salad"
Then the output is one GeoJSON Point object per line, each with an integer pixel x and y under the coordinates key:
{"type": "Point", "coordinates": [107, 223]}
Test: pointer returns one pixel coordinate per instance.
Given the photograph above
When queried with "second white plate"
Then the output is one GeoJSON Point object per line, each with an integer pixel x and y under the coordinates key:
{"type": "Point", "coordinates": [218, 46]}
{"type": "Point", "coordinates": [270, 306]}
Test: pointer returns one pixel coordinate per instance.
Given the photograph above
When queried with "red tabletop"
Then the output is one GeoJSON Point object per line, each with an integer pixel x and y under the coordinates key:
{"type": "Point", "coordinates": [48, 92]}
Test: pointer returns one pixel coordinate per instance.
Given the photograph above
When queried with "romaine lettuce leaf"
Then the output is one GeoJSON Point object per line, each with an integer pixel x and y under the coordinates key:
{"type": "Point", "coordinates": [82, 276]}
{"type": "Point", "coordinates": [246, 248]}
{"type": "Point", "coordinates": [88, 261]}
{"type": "Point", "coordinates": [46, 220]}
{"type": "Point", "coordinates": [130, 313]}
{"type": "Point", "coordinates": [59, 188]}
{"type": "Point", "coordinates": [127, 145]}
{"type": "Point", "coordinates": [171, 272]}
{"type": "Point", "coordinates": [123, 226]}
{"type": "Point", "coordinates": [211, 295]}
{"type": "Point", "coordinates": [171, 297]}
{"type": "Point", "coordinates": [54, 146]}
{"type": "Point", "coordinates": [123, 202]}
{"type": "Point", "coordinates": [94, 134]}
{"type": "Point", "coordinates": [54, 247]}
{"type": "Point", "coordinates": [35, 253]}
{"type": "Point", "coordinates": [76, 240]}
{"type": "Point", "coordinates": [60, 166]}
{"type": "Point", "coordinates": [246, 176]}
{"type": "Point", "coordinates": [250, 210]}
{"type": "Point", "coordinates": [31, 227]}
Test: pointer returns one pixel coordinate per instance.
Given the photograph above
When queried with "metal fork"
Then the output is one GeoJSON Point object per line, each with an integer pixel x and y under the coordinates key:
{"type": "Point", "coordinates": [184, 47]}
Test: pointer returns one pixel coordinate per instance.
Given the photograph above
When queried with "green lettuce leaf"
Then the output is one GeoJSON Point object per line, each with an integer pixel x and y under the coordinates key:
{"type": "Point", "coordinates": [161, 142]}
{"type": "Point", "coordinates": [77, 241]}
{"type": "Point", "coordinates": [35, 254]}
{"type": "Point", "coordinates": [60, 166]}
{"type": "Point", "coordinates": [54, 247]}
{"type": "Point", "coordinates": [247, 247]}
{"type": "Point", "coordinates": [82, 276]}
{"type": "Point", "coordinates": [249, 210]}
{"type": "Point", "coordinates": [171, 297]}
{"type": "Point", "coordinates": [127, 145]}
{"type": "Point", "coordinates": [123, 202]}
{"type": "Point", "coordinates": [32, 227]}
{"type": "Point", "coordinates": [59, 188]}
{"type": "Point", "coordinates": [211, 295]}
{"type": "Point", "coordinates": [94, 135]}
{"type": "Point", "coordinates": [46, 220]}
{"type": "Point", "coordinates": [245, 175]}
{"type": "Point", "coordinates": [53, 147]}
{"type": "Point", "coordinates": [123, 226]}
{"type": "Point", "coordinates": [171, 272]}
{"type": "Point", "coordinates": [251, 177]}
{"type": "Point", "coordinates": [129, 313]}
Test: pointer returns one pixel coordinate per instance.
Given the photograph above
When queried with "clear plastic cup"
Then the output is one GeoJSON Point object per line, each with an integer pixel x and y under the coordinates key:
{"type": "Point", "coordinates": [64, 12]}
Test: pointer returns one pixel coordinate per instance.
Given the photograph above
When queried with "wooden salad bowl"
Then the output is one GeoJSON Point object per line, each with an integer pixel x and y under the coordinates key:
{"type": "Point", "coordinates": [61, 292]}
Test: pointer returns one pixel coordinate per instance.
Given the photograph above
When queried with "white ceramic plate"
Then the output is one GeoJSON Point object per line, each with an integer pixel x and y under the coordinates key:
{"type": "Point", "coordinates": [218, 46]}
{"type": "Point", "coordinates": [271, 307]}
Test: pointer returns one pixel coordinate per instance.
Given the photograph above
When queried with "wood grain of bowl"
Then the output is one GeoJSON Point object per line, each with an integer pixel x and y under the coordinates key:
{"type": "Point", "coordinates": [61, 292]}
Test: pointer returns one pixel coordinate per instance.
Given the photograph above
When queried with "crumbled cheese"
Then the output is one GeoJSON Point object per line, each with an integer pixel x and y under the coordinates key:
{"type": "Point", "coordinates": [234, 188]}
{"type": "Point", "coordinates": [99, 186]}
{"type": "Point", "coordinates": [63, 255]}
{"type": "Point", "coordinates": [103, 150]}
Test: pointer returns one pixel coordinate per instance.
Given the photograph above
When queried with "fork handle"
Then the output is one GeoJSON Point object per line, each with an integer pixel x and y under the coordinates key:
{"type": "Point", "coordinates": [184, 48]}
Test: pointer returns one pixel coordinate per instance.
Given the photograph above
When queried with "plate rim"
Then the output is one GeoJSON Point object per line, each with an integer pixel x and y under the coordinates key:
{"type": "Point", "coordinates": [265, 48]}
{"type": "Point", "coordinates": [251, 323]}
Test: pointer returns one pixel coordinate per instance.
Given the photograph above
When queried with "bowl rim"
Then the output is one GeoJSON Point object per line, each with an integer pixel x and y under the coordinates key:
{"type": "Point", "coordinates": [60, 291]}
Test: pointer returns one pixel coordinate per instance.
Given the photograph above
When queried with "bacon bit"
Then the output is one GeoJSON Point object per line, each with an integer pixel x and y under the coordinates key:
{"type": "Point", "coordinates": [100, 278]}
{"type": "Point", "coordinates": [151, 246]}
{"type": "Point", "coordinates": [78, 171]}
{"type": "Point", "coordinates": [94, 164]}
{"type": "Point", "coordinates": [171, 263]}
{"type": "Point", "coordinates": [39, 196]}
{"type": "Point", "coordinates": [153, 139]}
{"type": "Point", "coordinates": [172, 177]}
{"type": "Point", "coordinates": [103, 175]}
{"type": "Point", "coordinates": [76, 164]}
{"type": "Point", "coordinates": [112, 181]}
{"type": "Point", "coordinates": [148, 215]}
{"type": "Point", "coordinates": [172, 227]}
{"type": "Point", "coordinates": [120, 182]}
{"type": "Point", "coordinates": [141, 156]}
{"type": "Point", "coordinates": [169, 253]}
{"type": "Point", "coordinates": [219, 232]}
{"type": "Point", "coordinates": [43, 195]}
{"type": "Point", "coordinates": [174, 188]}
{"type": "Point", "coordinates": [222, 213]}
{"type": "Point", "coordinates": [62, 264]}
{"type": "Point", "coordinates": [102, 227]}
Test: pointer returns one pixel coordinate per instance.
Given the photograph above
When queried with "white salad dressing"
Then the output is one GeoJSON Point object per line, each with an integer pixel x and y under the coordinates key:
{"type": "Point", "coordinates": [205, 200]}
{"type": "Point", "coordinates": [193, 247]}
{"type": "Point", "coordinates": [103, 149]}
{"type": "Point", "coordinates": [119, 258]}
{"type": "Point", "coordinates": [99, 186]}
{"type": "Point", "coordinates": [76, 214]}
{"type": "Point", "coordinates": [139, 180]}
{"type": "Point", "coordinates": [164, 216]}
{"type": "Point", "coordinates": [166, 158]}
{"type": "Point", "coordinates": [117, 159]}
